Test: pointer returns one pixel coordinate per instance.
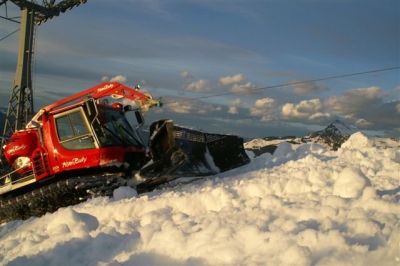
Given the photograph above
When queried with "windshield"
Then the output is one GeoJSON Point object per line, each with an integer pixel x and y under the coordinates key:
{"type": "Point", "coordinates": [113, 129]}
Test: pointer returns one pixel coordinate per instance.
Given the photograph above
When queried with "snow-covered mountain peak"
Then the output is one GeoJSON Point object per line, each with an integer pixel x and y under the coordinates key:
{"type": "Point", "coordinates": [333, 135]}
{"type": "Point", "coordinates": [339, 127]}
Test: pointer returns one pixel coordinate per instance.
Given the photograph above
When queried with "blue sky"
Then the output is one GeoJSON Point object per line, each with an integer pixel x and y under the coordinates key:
{"type": "Point", "coordinates": [188, 49]}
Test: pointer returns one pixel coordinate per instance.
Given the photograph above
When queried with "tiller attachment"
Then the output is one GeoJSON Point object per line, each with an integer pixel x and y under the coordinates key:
{"type": "Point", "coordinates": [179, 152]}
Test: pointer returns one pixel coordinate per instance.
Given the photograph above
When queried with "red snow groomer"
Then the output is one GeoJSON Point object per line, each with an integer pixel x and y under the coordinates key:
{"type": "Point", "coordinates": [83, 146]}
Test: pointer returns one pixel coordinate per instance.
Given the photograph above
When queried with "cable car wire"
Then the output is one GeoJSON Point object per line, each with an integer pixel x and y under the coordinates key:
{"type": "Point", "coordinates": [340, 76]}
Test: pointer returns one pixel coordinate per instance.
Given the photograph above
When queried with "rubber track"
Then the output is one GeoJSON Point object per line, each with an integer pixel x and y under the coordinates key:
{"type": "Point", "coordinates": [56, 195]}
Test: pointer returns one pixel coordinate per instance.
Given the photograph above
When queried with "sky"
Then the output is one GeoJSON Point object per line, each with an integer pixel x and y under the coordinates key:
{"type": "Point", "coordinates": [187, 50]}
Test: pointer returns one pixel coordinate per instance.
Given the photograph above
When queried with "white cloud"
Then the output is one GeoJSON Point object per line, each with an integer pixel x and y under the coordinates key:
{"type": "Point", "coordinates": [264, 103]}
{"type": "Point", "coordinates": [117, 78]}
{"type": "Point", "coordinates": [198, 86]}
{"type": "Point", "coordinates": [363, 123]}
{"type": "Point", "coordinates": [186, 106]}
{"type": "Point", "coordinates": [180, 107]}
{"type": "Point", "coordinates": [243, 88]}
{"type": "Point", "coordinates": [355, 100]}
{"type": "Point", "coordinates": [228, 80]}
{"type": "Point", "coordinates": [264, 108]}
{"type": "Point", "coordinates": [233, 107]}
{"type": "Point", "coordinates": [366, 108]}
{"type": "Point", "coordinates": [306, 87]}
{"type": "Point", "coordinates": [304, 109]}
{"type": "Point", "coordinates": [393, 94]}
{"type": "Point", "coordinates": [320, 116]}
{"type": "Point", "coordinates": [233, 110]}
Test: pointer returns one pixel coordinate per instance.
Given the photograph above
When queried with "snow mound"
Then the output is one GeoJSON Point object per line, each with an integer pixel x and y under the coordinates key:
{"type": "Point", "coordinates": [70, 221]}
{"type": "Point", "coordinates": [303, 205]}
{"type": "Point", "coordinates": [356, 141]}
{"type": "Point", "coordinates": [349, 183]}
{"type": "Point", "coordinates": [283, 150]}
{"type": "Point", "coordinates": [124, 193]}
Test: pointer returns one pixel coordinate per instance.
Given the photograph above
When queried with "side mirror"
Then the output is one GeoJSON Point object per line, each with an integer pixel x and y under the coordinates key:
{"type": "Point", "coordinates": [139, 118]}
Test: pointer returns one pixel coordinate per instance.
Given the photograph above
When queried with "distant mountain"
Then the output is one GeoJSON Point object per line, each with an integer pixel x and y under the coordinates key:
{"type": "Point", "coordinates": [333, 135]}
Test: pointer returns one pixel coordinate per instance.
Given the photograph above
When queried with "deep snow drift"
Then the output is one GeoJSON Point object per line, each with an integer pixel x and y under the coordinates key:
{"type": "Point", "coordinates": [304, 205]}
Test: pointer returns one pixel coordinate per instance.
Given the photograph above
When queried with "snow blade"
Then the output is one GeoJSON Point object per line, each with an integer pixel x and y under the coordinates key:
{"type": "Point", "coordinates": [179, 151]}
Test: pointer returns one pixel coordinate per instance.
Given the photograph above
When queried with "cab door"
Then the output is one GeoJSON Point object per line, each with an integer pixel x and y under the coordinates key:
{"type": "Point", "coordinates": [76, 145]}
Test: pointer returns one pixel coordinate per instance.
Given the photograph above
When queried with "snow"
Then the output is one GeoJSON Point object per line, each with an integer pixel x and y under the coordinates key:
{"type": "Point", "coordinates": [356, 141]}
{"type": "Point", "coordinates": [259, 143]}
{"type": "Point", "coordinates": [124, 193]}
{"type": "Point", "coordinates": [349, 183]}
{"type": "Point", "coordinates": [210, 161]}
{"type": "Point", "coordinates": [303, 205]}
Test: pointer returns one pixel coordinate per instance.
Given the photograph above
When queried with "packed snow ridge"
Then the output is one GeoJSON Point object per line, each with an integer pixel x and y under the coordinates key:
{"type": "Point", "coordinates": [303, 205]}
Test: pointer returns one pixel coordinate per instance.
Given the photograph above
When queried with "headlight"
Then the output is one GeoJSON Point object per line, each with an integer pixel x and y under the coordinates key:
{"type": "Point", "coordinates": [21, 162]}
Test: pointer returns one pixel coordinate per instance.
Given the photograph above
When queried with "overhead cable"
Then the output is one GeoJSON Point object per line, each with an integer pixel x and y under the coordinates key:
{"type": "Point", "coordinates": [340, 76]}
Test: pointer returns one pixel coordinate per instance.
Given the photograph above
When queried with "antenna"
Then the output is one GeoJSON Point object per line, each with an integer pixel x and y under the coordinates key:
{"type": "Point", "coordinates": [34, 12]}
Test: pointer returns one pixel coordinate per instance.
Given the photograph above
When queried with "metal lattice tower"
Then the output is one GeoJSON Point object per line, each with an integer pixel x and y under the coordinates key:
{"type": "Point", "coordinates": [20, 106]}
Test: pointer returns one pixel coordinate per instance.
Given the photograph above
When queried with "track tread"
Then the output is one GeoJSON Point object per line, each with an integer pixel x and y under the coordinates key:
{"type": "Point", "coordinates": [56, 195]}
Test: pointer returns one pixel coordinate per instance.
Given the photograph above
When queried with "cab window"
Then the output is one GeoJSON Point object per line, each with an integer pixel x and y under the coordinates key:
{"type": "Point", "coordinates": [73, 132]}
